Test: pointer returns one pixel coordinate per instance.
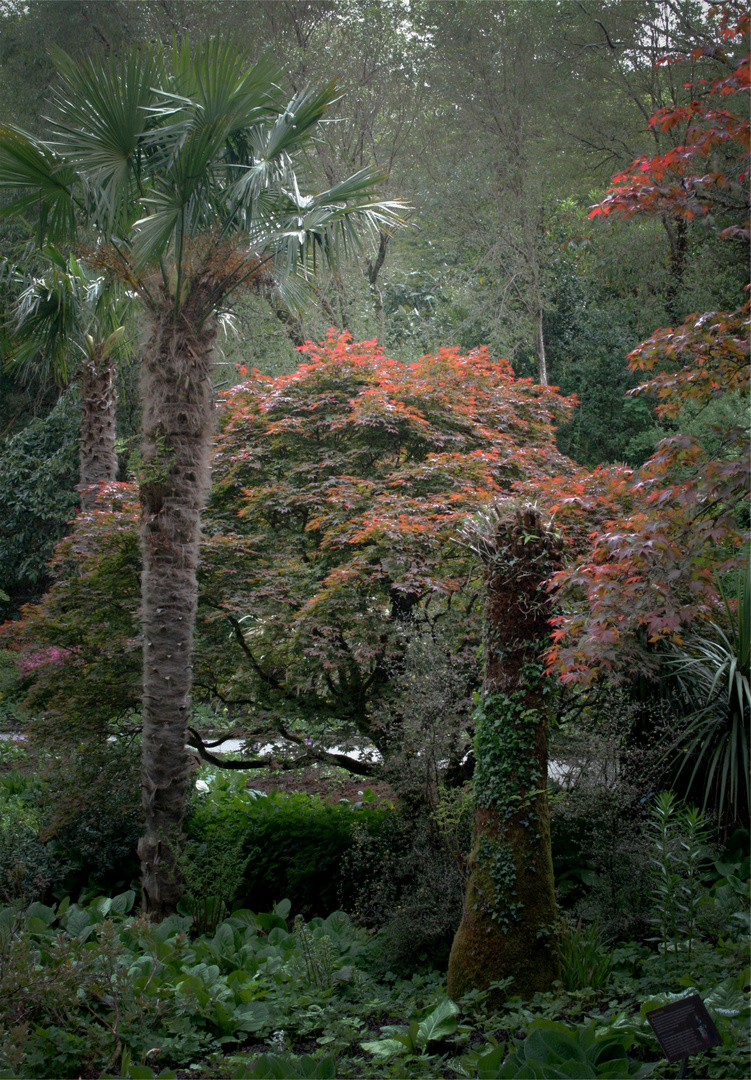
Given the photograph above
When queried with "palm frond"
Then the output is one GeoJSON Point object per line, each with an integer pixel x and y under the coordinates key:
{"type": "Point", "coordinates": [100, 119]}
{"type": "Point", "coordinates": [298, 122]}
{"type": "Point", "coordinates": [53, 313]}
{"type": "Point", "coordinates": [43, 183]}
{"type": "Point", "coordinates": [220, 87]}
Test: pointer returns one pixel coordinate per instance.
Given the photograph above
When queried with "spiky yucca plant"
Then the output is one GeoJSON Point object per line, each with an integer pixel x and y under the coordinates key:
{"type": "Point", "coordinates": [713, 668]}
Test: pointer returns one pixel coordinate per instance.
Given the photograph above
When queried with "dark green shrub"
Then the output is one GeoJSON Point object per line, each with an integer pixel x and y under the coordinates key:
{"type": "Point", "coordinates": [99, 850]}
{"type": "Point", "coordinates": [599, 817]}
{"type": "Point", "coordinates": [295, 844]}
{"type": "Point", "coordinates": [29, 867]}
{"type": "Point", "coordinates": [404, 879]}
{"type": "Point", "coordinates": [38, 477]}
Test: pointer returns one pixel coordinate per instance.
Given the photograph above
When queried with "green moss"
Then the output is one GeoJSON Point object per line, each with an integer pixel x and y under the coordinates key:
{"type": "Point", "coordinates": [510, 903]}
{"type": "Point", "coordinates": [509, 910]}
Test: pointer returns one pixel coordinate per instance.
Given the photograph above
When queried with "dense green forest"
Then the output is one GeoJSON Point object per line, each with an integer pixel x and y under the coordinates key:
{"type": "Point", "coordinates": [375, 658]}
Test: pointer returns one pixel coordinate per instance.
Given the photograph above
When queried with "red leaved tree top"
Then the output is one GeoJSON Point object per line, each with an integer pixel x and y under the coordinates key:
{"type": "Point", "coordinates": [662, 536]}
{"type": "Point", "coordinates": [345, 483]}
{"type": "Point", "coordinates": [707, 175]}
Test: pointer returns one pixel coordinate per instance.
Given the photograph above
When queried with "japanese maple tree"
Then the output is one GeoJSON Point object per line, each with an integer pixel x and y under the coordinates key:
{"type": "Point", "coordinates": [667, 535]}
{"type": "Point", "coordinates": [343, 486]}
{"type": "Point", "coordinates": [707, 174]}
{"type": "Point", "coordinates": [330, 542]}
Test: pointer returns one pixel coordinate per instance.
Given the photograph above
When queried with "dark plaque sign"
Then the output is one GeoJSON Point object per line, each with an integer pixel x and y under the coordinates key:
{"type": "Point", "coordinates": [683, 1028]}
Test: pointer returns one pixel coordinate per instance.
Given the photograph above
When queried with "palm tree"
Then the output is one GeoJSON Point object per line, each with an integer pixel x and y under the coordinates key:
{"type": "Point", "coordinates": [67, 313]}
{"type": "Point", "coordinates": [185, 170]}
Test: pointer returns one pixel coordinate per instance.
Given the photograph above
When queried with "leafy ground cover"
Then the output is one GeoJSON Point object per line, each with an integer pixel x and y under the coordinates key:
{"type": "Point", "coordinates": [93, 989]}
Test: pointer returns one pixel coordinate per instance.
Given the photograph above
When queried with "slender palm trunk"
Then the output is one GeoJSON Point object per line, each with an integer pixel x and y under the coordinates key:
{"type": "Point", "coordinates": [97, 456]}
{"type": "Point", "coordinates": [176, 429]}
{"type": "Point", "coordinates": [509, 912]}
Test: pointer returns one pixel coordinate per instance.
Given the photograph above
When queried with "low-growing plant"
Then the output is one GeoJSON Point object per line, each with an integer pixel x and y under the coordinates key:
{"type": "Point", "coordinates": [316, 961]}
{"type": "Point", "coordinates": [28, 865]}
{"type": "Point", "coordinates": [554, 1049]}
{"type": "Point", "coordinates": [415, 1037]}
{"type": "Point", "coordinates": [286, 1068]}
{"type": "Point", "coordinates": [585, 961]}
{"type": "Point", "coordinates": [680, 851]}
{"type": "Point", "coordinates": [83, 987]}
{"type": "Point", "coordinates": [213, 872]}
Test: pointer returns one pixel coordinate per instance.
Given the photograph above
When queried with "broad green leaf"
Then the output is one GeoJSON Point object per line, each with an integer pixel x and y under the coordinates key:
{"type": "Point", "coordinates": [383, 1047]}
{"type": "Point", "coordinates": [78, 922]}
{"type": "Point", "coordinates": [573, 1068]}
{"type": "Point", "coordinates": [251, 1016]}
{"type": "Point", "coordinates": [123, 902]}
{"type": "Point", "coordinates": [489, 1064]}
{"type": "Point", "coordinates": [439, 1023]}
{"type": "Point", "coordinates": [102, 905]}
{"type": "Point", "coordinates": [225, 1016]}
{"type": "Point", "coordinates": [41, 911]}
{"type": "Point", "coordinates": [224, 938]}
{"type": "Point", "coordinates": [547, 1045]}
{"type": "Point", "coordinates": [37, 926]}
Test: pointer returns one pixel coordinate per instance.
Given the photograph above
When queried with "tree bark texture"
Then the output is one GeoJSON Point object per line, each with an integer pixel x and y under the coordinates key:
{"type": "Point", "coordinates": [542, 363]}
{"type": "Point", "coordinates": [508, 922]}
{"type": "Point", "coordinates": [176, 440]}
{"type": "Point", "coordinates": [97, 455]}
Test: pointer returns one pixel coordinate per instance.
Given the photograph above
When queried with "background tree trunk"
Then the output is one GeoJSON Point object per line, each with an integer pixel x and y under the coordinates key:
{"type": "Point", "coordinates": [507, 927]}
{"type": "Point", "coordinates": [98, 459]}
{"type": "Point", "coordinates": [177, 428]}
{"type": "Point", "coordinates": [542, 364]}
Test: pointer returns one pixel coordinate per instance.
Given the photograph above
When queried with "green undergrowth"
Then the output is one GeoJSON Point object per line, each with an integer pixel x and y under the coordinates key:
{"type": "Point", "coordinates": [282, 844]}
{"type": "Point", "coordinates": [92, 989]}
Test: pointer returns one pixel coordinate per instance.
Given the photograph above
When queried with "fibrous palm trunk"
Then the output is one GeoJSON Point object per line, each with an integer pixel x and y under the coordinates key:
{"type": "Point", "coordinates": [509, 911]}
{"type": "Point", "coordinates": [176, 438]}
{"type": "Point", "coordinates": [97, 455]}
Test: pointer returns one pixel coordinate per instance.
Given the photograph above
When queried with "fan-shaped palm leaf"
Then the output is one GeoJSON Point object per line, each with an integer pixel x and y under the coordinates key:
{"type": "Point", "coordinates": [100, 115]}
{"type": "Point", "coordinates": [216, 84]}
{"type": "Point", "coordinates": [42, 183]}
{"type": "Point", "coordinates": [54, 313]}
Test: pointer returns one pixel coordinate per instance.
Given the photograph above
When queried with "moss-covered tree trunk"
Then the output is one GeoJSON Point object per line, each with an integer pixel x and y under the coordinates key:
{"type": "Point", "coordinates": [176, 440]}
{"type": "Point", "coordinates": [97, 456]}
{"type": "Point", "coordinates": [507, 927]}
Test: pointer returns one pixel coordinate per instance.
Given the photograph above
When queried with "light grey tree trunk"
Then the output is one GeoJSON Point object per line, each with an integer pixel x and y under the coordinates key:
{"type": "Point", "coordinates": [542, 366]}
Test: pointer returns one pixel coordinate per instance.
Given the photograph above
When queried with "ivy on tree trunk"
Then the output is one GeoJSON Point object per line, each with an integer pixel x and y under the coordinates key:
{"type": "Point", "coordinates": [507, 927]}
